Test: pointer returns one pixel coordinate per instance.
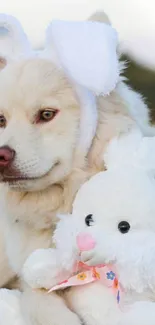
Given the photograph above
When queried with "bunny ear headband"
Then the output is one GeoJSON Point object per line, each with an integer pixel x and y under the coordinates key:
{"type": "Point", "coordinates": [13, 41]}
{"type": "Point", "coordinates": [85, 51]}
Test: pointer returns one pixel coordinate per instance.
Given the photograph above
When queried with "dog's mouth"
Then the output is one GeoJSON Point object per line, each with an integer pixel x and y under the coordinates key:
{"type": "Point", "coordinates": [8, 179]}
{"type": "Point", "coordinates": [14, 180]}
{"type": "Point", "coordinates": [14, 177]}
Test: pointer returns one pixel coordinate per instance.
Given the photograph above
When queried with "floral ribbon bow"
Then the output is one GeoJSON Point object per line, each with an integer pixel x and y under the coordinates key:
{"type": "Point", "coordinates": [84, 274]}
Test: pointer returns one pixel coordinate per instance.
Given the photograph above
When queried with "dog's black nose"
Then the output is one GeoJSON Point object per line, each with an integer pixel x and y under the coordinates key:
{"type": "Point", "coordinates": [6, 157]}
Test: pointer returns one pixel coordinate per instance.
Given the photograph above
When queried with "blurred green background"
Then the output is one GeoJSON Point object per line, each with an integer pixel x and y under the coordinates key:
{"type": "Point", "coordinates": [142, 80]}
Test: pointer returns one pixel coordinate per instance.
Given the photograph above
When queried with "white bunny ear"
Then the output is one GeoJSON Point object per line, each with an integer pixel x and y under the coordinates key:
{"type": "Point", "coordinates": [13, 41]}
{"type": "Point", "coordinates": [88, 121]}
{"type": "Point", "coordinates": [131, 150]}
{"type": "Point", "coordinates": [86, 50]}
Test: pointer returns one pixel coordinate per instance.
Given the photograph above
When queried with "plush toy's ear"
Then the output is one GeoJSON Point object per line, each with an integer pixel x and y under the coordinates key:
{"type": "Point", "coordinates": [13, 41]}
{"type": "Point", "coordinates": [131, 150]}
{"type": "Point", "coordinates": [121, 149]}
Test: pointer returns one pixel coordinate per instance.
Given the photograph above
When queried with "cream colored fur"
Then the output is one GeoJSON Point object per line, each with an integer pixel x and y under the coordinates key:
{"type": "Point", "coordinates": [46, 153]}
{"type": "Point", "coordinates": [6, 272]}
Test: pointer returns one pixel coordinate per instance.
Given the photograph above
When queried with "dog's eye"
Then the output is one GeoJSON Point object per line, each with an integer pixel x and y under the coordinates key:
{"type": "Point", "coordinates": [2, 121]}
{"type": "Point", "coordinates": [89, 220]}
{"type": "Point", "coordinates": [46, 115]}
{"type": "Point", "coordinates": [123, 227]}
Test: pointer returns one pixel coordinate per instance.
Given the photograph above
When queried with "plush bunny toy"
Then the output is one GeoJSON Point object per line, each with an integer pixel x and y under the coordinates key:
{"type": "Point", "coordinates": [105, 250]}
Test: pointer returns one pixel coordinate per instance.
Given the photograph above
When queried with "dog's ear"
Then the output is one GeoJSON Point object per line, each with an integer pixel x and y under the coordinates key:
{"type": "Point", "coordinates": [14, 43]}
{"type": "Point", "coordinates": [101, 17]}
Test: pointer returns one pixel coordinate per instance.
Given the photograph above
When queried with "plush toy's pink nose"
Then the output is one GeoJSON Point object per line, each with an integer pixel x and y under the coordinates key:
{"type": "Point", "coordinates": [85, 242]}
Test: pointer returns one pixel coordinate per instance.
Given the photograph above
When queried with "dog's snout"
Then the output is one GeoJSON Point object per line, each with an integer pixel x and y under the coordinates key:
{"type": "Point", "coordinates": [6, 156]}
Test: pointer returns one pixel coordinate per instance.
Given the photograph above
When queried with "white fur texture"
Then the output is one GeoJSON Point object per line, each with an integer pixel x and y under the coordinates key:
{"type": "Point", "coordinates": [120, 194]}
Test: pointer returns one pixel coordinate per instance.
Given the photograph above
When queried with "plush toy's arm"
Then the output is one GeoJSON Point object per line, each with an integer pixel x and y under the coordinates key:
{"type": "Point", "coordinates": [43, 269]}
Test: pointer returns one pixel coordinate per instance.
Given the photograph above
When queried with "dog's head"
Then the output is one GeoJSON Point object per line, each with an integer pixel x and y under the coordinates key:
{"type": "Point", "coordinates": [48, 99]}
{"type": "Point", "coordinates": [39, 123]}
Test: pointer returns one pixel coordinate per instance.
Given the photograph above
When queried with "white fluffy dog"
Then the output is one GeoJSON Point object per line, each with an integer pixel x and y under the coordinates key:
{"type": "Point", "coordinates": [52, 138]}
{"type": "Point", "coordinates": [112, 231]}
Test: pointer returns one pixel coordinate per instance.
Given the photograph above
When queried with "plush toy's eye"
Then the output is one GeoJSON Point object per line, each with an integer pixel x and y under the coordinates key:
{"type": "Point", "coordinates": [124, 227]}
{"type": "Point", "coordinates": [89, 220]}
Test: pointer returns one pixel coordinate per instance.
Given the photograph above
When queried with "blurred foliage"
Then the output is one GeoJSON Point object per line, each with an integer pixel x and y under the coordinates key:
{"type": "Point", "coordinates": [142, 80]}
